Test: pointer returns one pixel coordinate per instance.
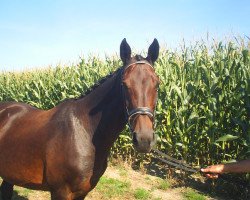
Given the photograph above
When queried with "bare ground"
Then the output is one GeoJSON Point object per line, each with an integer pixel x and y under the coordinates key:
{"type": "Point", "coordinates": [137, 180]}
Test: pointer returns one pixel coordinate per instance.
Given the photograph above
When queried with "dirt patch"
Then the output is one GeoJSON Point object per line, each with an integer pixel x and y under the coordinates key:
{"type": "Point", "coordinates": [138, 180]}
{"type": "Point", "coordinates": [37, 195]}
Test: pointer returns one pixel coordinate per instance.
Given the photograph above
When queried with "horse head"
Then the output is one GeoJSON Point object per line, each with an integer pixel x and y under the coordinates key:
{"type": "Point", "coordinates": [139, 87]}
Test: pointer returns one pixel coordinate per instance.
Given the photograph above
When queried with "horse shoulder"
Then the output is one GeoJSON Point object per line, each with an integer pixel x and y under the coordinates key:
{"type": "Point", "coordinates": [70, 146]}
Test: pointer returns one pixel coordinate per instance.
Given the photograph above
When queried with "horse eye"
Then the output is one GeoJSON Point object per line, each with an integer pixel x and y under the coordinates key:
{"type": "Point", "coordinates": [126, 86]}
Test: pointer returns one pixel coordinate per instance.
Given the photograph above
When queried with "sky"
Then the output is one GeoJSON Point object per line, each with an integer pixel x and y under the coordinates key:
{"type": "Point", "coordinates": [38, 34]}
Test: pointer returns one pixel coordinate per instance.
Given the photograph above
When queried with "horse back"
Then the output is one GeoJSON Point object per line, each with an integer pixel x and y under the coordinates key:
{"type": "Point", "coordinates": [22, 143]}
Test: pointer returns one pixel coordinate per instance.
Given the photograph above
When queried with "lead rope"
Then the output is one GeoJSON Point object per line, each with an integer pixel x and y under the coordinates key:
{"type": "Point", "coordinates": [174, 162]}
{"type": "Point", "coordinates": [180, 164]}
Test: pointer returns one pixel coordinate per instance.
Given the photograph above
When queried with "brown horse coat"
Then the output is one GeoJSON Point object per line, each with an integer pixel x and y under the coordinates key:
{"type": "Point", "coordinates": [64, 150]}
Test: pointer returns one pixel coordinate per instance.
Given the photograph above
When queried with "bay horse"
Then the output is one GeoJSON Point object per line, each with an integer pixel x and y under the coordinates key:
{"type": "Point", "coordinates": [64, 150]}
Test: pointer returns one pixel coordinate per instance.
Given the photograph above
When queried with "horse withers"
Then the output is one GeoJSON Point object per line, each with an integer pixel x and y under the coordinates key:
{"type": "Point", "coordinates": [64, 150]}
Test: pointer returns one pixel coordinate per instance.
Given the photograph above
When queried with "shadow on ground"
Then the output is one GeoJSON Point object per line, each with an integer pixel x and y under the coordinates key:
{"type": "Point", "coordinates": [16, 196]}
{"type": "Point", "coordinates": [229, 187]}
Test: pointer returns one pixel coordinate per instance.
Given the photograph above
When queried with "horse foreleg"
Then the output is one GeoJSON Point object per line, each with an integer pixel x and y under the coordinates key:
{"type": "Point", "coordinates": [61, 194]}
{"type": "Point", "coordinates": [6, 190]}
{"type": "Point", "coordinates": [80, 198]}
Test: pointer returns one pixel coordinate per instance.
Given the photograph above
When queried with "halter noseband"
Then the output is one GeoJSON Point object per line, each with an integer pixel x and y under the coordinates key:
{"type": "Point", "coordinates": [139, 110]}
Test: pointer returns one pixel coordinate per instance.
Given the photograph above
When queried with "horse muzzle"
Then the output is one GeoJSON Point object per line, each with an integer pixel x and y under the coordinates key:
{"type": "Point", "coordinates": [142, 143]}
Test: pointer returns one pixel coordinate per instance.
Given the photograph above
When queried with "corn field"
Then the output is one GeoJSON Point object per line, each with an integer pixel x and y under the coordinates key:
{"type": "Point", "coordinates": [203, 110]}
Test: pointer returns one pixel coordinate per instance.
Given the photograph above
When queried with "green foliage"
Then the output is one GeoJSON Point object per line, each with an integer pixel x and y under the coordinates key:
{"type": "Point", "coordinates": [21, 192]}
{"type": "Point", "coordinates": [203, 109]}
{"type": "Point", "coordinates": [190, 194]}
{"type": "Point", "coordinates": [163, 184]}
{"type": "Point", "coordinates": [110, 187]}
{"type": "Point", "coordinates": [141, 193]}
{"type": "Point", "coordinates": [204, 98]}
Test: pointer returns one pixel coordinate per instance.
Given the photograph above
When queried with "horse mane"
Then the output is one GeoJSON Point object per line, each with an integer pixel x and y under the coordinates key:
{"type": "Point", "coordinates": [98, 83]}
{"type": "Point", "coordinates": [102, 80]}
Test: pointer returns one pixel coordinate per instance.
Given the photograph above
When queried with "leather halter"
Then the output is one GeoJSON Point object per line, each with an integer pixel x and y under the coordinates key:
{"type": "Point", "coordinates": [139, 110]}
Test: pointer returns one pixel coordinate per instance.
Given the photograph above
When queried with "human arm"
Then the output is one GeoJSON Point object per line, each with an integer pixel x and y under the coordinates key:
{"type": "Point", "coordinates": [237, 167]}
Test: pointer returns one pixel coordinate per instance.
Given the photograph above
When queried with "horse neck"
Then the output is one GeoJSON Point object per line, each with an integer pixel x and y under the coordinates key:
{"type": "Point", "coordinates": [105, 109]}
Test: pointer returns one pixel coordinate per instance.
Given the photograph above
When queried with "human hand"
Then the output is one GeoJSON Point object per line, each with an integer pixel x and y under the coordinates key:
{"type": "Point", "coordinates": [213, 171]}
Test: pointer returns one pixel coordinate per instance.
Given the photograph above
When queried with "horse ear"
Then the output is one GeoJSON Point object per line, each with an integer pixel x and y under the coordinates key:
{"type": "Point", "coordinates": [153, 51]}
{"type": "Point", "coordinates": [125, 51]}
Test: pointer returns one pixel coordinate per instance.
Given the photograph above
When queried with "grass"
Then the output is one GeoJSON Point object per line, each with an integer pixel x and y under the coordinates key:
{"type": "Point", "coordinates": [191, 194]}
{"type": "Point", "coordinates": [141, 193]}
{"type": "Point", "coordinates": [111, 187]}
{"type": "Point", "coordinates": [163, 184]}
{"type": "Point", "coordinates": [123, 172]}
{"type": "Point", "coordinates": [24, 192]}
